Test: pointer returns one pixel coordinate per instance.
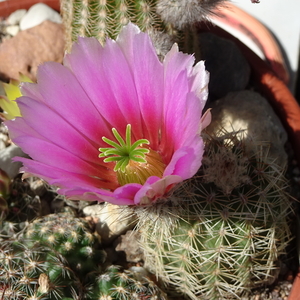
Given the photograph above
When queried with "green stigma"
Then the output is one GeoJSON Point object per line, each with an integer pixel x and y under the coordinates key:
{"type": "Point", "coordinates": [123, 152]}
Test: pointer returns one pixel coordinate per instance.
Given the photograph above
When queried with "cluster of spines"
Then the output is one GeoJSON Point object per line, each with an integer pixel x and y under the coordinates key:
{"type": "Point", "coordinates": [59, 257]}
{"type": "Point", "coordinates": [213, 242]}
{"type": "Point", "coordinates": [71, 237]}
{"type": "Point", "coordinates": [33, 273]}
{"type": "Point", "coordinates": [105, 18]}
{"type": "Point", "coordinates": [116, 285]}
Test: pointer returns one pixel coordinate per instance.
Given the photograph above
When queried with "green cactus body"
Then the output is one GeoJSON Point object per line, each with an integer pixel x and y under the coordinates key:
{"type": "Point", "coordinates": [222, 232]}
{"type": "Point", "coordinates": [56, 257]}
{"type": "Point", "coordinates": [105, 18]}
{"type": "Point", "coordinates": [34, 273]}
{"type": "Point", "coordinates": [69, 236]}
{"type": "Point", "coordinates": [116, 285]}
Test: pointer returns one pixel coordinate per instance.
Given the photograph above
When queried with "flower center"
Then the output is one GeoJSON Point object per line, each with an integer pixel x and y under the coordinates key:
{"type": "Point", "coordinates": [134, 163]}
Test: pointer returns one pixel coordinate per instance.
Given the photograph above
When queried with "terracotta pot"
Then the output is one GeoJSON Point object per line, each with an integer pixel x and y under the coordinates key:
{"type": "Point", "coordinates": [9, 6]}
{"type": "Point", "coordinates": [295, 292]}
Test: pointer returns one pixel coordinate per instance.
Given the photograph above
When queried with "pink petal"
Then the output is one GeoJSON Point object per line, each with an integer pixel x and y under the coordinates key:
{"type": "Point", "coordinates": [107, 79]}
{"type": "Point", "coordinates": [52, 127]}
{"type": "Point", "coordinates": [200, 80]}
{"type": "Point", "coordinates": [61, 91]}
{"type": "Point", "coordinates": [155, 188]}
{"type": "Point", "coordinates": [59, 177]}
{"type": "Point", "coordinates": [55, 156]}
{"type": "Point", "coordinates": [205, 120]}
{"type": "Point", "coordinates": [186, 161]}
{"type": "Point", "coordinates": [97, 195]}
{"type": "Point", "coordinates": [141, 55]}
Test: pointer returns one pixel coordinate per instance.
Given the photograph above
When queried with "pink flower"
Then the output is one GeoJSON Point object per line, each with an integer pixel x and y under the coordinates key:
{"type": "Point", "coordinates": [113, 123]}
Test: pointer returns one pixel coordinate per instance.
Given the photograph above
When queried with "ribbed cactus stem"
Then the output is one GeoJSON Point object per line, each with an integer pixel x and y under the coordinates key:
{"type": "Point", "coordinates": [105, 18]}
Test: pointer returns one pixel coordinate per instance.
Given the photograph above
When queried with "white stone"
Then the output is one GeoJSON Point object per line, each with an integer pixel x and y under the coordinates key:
{"type": "Point", "coordinates": [12, 29]}
{"type": "Point", "coordinates": [15, 17]}
{"type": "Point", "coordinates": [112, 220]}
{"type": "Point", "coordinates": [37, 14]}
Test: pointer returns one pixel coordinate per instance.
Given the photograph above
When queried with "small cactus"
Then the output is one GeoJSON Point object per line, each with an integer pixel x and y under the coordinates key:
{"type": "Point", "coordinates": [71, 237]}
{"type": "Point", "coordinates": [116, 285]}
{"type": "Point", "coordinates": [221, 233]}
{"type": "Point", "coordinates": [34, 273]}
{"type": "Point", "coordinates": [56, 257]}
{"type": "Point", "coordinates": [184, 13]}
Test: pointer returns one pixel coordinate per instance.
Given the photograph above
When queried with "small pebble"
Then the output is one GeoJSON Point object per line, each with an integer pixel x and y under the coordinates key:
{"type": "Point", "coordinates": [12, 30]}
{"type": "Point", "coordinates": [37, 14]}
{"type": "Point", "coordinates": [16, 16]}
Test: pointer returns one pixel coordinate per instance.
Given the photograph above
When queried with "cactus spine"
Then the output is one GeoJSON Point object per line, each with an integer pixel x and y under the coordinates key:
{"type": "Point", "coordinates": [115, 285]}
{"type": "Point", "coordinates": [71, 237]}
{"type": "Point", "coordinates": [220, 233]}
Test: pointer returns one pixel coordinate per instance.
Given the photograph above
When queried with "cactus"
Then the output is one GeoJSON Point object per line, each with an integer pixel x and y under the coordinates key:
{"type": "Point", "coordinates": [55, 257]}
{"type": "Point", "coordinates": [34, 273]}
{"type": "Point", "coordinates": [105, 18]}
{"type": "Point", "coordinates": [71, 237]}
{"type": "Point", "coordinates": [58, 257]}
{"type": "Point", "coordinates": [116, 285]}
{"type": "Point", "coordinates": [221, 233]}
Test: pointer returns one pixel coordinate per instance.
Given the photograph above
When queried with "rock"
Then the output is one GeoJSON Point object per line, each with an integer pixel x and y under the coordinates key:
{"type": "Point", "coordinates": [29, 48]}
{"type": "Point", "coordinates": [12, 30]}
{"type": "Point", "coordinates": [111, 220]}
{"type": "Point", "coordinates": [37, 14]}
{"type": "Point", "coordinates": [129, 243]}
{"type": "Point", "coordinates": [6, 163]}
{"type": "Point", "coordinates": [229, 70]}
{"type": "Point", "coordinates": [15, 17]}
{"type": "Point", "coordinates": [250, 112]}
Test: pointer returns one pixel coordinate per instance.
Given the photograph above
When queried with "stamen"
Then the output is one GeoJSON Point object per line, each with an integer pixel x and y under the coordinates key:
{"type": "Point", "coordinates": [133, 163]}
{"type": "Point", "coordinates": [123, 152]}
